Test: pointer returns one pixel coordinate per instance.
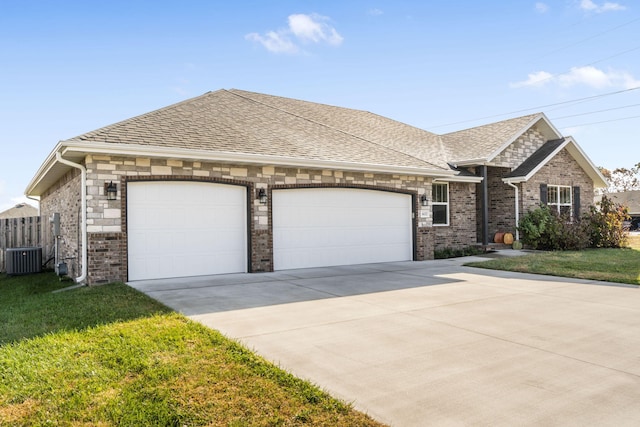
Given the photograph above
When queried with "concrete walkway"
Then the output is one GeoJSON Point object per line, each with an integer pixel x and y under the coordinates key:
{"type": "Point", "coordinates": [434, 342]}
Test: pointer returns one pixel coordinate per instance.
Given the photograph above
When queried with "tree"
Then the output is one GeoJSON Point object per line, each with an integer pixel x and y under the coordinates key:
{"type": "Point", "coordinates": [622, 179]}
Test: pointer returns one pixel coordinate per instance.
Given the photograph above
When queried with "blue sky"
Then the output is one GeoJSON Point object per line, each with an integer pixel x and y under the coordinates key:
{"type": "Point", "coordinates": [69, 67]}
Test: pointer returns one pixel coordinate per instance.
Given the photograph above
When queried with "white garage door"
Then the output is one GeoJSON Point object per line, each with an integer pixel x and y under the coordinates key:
{"type": "Point", "coordinates": [179, 229]}
{"type": "Point", "coordinates": [338, 226]}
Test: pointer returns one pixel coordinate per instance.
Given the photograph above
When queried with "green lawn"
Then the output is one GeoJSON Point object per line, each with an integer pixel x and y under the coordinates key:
{"type": "Point", "coordinates": [611, 265]}
{"type": "Point", "coordinates": [109, 355]}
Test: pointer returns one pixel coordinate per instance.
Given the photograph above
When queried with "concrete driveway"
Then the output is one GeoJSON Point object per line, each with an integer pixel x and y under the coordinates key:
{"type": "Point", "coordinates": [436, 343]}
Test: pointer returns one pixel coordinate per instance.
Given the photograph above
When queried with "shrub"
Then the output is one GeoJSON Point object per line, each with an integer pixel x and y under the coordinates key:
{"type": "Point", "coordinates": [545, 229]}
{"type": "Point", "coordinates": [456, 252]}
{"type": "Point", "coordinates": [606, 224]}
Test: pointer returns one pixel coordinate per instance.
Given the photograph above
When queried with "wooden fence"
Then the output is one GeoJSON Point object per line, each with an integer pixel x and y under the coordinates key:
{"type": "Point", "coordinates": [18, 233]}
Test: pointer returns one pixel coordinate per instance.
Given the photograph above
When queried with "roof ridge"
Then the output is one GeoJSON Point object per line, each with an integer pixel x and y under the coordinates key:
{"type": "Point", "coordinates": [334, 128]}
{"type": "Point", "coordinates": [494, 123]}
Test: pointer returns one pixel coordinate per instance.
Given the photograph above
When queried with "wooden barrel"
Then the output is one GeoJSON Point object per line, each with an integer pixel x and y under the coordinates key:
{"type": "Point", "coordinates": [508, 238]}
{"type": "Point", "coordinates": [498, 237]}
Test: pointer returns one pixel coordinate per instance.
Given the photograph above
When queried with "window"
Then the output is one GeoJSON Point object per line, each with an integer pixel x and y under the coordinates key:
{"type": "Point", "coordinates": [440, 204]}
{"type": "Point", "coordinates": [559, 198]}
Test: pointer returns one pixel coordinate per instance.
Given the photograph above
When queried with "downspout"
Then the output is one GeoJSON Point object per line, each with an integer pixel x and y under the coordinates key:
{"type": "Point", "coordinates": [515, 187]}
{"type": "Point", "coordinates": [83, 194]}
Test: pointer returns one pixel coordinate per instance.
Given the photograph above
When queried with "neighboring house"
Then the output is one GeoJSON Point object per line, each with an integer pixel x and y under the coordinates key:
{"type": "Point", "coordinates": [630, 199]}
{"type": "Point", "coordinates": [235, 181]}
{"type": "Point", "coordinates": [21, 210]}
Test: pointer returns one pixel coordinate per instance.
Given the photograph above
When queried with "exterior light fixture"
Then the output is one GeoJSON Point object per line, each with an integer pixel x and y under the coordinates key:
{"type": "Point", "coordinates": [423, 200]}
{"type": "Point", "coordinates": [262, 196]}
{"type": "Point", "coordinates": [111, 189]}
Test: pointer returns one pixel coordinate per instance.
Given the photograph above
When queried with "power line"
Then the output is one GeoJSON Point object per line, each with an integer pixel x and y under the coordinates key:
{"type": "Point", "coordinates": [537, 108]}
{"type": "Point", "coordinates": [591, 37]}
{"type": "Point", "coordinates": [598, 111]}
{"type": "Point", "coordinates": [603, 121]}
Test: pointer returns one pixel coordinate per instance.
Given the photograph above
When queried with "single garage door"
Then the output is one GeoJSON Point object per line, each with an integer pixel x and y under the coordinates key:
{"type": "Point", "coordinates": [179, 229]}
{"type": "Point", "coordinates": [317, 227]}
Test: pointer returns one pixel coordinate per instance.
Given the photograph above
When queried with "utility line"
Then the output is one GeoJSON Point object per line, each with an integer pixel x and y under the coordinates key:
{"type": "Point", "coordinates": [590, 38]}
{"type": "Point", "coordinates": [595, 112]}
{"type": "Point", "coordinates": [604, 121]}
{"type": "Point", "coordinates": [537, 108]}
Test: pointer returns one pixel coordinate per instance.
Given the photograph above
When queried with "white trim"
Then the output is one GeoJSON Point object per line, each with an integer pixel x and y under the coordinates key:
{"type": "Point", "coordinates": [77, 150]}
{"type": "Point", "coordinates": [250, 158]}
{"type": "Point", "coordinates": [579, 156]}
{"type": "Point", "coordinates": [516, 189]}
{"type": "Point", "coordinates": [83, 194]}
{"type": "Point", "coordinates": [447, 204]}
{"type": "Point", "coordinates": [525, 128]}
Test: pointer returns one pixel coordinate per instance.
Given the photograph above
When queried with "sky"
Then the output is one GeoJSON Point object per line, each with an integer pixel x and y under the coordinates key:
{"type": "Point", "coordinates": [69, 67]}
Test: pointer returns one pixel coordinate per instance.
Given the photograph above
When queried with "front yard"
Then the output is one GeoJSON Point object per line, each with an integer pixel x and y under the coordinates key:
{"type": "Point", "coordinates": [611, 265]}
{"type": "Point", "coordinates": [109, 355]}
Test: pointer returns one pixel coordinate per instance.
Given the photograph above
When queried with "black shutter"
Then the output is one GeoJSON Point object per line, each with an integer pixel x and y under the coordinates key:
{"type": "Point", "coordinates": [576, 203]}
{"type": "Point", "coordinates": [543, 194]}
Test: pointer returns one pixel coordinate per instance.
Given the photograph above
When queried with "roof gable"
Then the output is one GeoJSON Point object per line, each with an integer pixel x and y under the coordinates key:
{"type": "Point", "coordinates": [547, 152]}
{"type": "Point", "coordinates": [482, 144]}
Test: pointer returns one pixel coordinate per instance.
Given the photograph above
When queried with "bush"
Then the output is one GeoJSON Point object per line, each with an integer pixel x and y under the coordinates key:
{"type": "Point", "coordinates": [456, 252]}
{"type": "Point", "coordinates": [545, 229]}
{"type": "Point", "coordinates": [606, 225]}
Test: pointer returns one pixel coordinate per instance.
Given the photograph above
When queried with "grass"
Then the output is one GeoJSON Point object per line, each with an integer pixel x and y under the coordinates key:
{"type": "Point", "coordinates": [109, 355]}
{"type": "Point", "coordinates": [610, 265]}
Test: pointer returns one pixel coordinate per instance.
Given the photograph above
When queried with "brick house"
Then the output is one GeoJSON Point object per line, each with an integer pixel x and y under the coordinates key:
{"type": "Point", "coordinates": [236, 181]}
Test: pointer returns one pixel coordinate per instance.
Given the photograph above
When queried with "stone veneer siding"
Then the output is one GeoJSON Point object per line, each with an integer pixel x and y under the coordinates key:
{"type": "Point", "coordinates": [520, 150]}
{"type": "Point", "coordinates": [63, 198]}
{"type": "Point", "coordinates": [106, 220]}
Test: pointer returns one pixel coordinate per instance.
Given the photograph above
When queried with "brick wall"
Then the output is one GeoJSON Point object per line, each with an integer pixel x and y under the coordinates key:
{"type": "Point", "coordinates": [461, 231]}
{"type": "Point", "coordinates": [561, 170]}
{"type": "Point", "coordinates": [106, 220]}
{"type": "Point", "coordinates": [63, 198]}
{"type": "Point", "coordinates": [501, 203]}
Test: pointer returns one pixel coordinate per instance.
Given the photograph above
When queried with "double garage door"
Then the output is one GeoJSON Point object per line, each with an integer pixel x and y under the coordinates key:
{"type": "Point", "coordinates": [179, 228]}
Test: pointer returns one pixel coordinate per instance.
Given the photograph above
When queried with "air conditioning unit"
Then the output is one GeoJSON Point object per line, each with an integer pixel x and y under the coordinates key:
{"type": "Point", "coordinates": [23, 261]}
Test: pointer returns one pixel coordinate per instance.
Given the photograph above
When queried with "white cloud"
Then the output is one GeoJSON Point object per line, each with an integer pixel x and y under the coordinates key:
{"type": "Point", "coordinates": [541, 7]}
{"type": "Point", "coordinates": [538, 78]}
{"type": "Point", "coordinates": [302, 28]}
{"type": "Point", "coordinates": [375, 12]}
{"type": "Point", "coordinates": [591, 6]}
{"type": "Point", "coordinates": [313, 28]}
{"type": "Point", "coordinates": [586, 76]}
{"type": "Point", "coordinates": [276, 42]}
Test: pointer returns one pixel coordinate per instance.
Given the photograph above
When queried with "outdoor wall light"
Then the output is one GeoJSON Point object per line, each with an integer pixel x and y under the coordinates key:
{"type": "Point", "coordinates": [423, 200]}
{"type": "Point", "coordinates": [262, 196]}
{"type": "Point", "coordinates": [111, 189]}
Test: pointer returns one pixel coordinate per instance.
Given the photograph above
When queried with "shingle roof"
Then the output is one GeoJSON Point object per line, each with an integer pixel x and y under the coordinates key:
{"type": "Point", "coordinates": [235, 121]}
{"type": "Point", "coordinates": [536, 158]}
{"type": "Point", "coordinates": [631, 199]}
{"type": "Point", "coordinates": [21, 210]}
{"type": "Point", "coordinates": [482, 141]}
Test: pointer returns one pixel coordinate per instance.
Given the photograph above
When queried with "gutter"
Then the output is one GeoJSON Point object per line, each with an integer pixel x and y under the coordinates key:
{"type": "Point", "coordinates": [515, 187]}
{"type": "Point", "coordinates": [83, 193]}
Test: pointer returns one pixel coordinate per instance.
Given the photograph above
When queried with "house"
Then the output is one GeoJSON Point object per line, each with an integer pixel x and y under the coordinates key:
{"type": "Point", "coordinates": [630, 199]}
{"type": "Point", "coordinates": [21, 210]}
{"type": "Point", "coordinates": [236, 181]}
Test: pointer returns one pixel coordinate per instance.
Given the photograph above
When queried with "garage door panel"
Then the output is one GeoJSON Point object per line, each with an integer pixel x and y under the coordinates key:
{"type": "Point", "coordinates": [178, 229]}
{"type": "Point", "coordinates": [337, 226]}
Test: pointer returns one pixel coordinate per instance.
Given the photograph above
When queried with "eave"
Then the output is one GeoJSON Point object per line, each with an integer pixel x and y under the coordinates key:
{"type": "Point", "coordinates": [51, 170]}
